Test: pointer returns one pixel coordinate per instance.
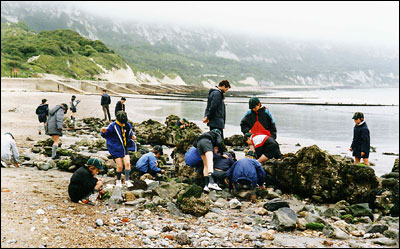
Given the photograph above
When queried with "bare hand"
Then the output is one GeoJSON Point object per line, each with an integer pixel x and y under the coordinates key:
{"type": "Point", "coordinates": [16, 165]}
{"type": "Point", "coordinates": [350, 149]}
{"type": "Point", "coordinates": [225, 156]}
{"type": "Point", "coordinates": [162, 171]}
{"type": "Point", "coordinates": [103, 129]}
{"type": "Point", "coordinates": [134, 138]}
{"type": "Point", "coordinates": [205, 120]}
{"type": "Point", "coordinates": [362, 154]}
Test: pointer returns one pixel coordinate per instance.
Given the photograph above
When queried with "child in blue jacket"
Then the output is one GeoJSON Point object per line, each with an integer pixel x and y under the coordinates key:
{"type": "Point", "coordinates": [148, 162]}
{"type": "Point", "coordinates": [361, 140]}
{"type": "Point", "coordinates": [120, 139]}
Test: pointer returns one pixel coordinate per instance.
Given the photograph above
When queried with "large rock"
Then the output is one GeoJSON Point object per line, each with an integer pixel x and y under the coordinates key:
{"type": "Point", "coordinates": [311, 172]}
{"type": "Point", "coordinates": [361, 209]}
{"type": "Point", "coordinates": [235, 140]}
{"type": "Point", "coordinates": [275, 204]}
{"type": "Point", "coordinates": [284, 219]}
{"type": "Point", "coordinates": [195, 206]}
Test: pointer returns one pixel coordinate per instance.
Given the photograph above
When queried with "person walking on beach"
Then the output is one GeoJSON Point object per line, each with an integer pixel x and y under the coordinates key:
{"type": "Point", "coordinates": [83, 182]}
{"type": "Point", "coordinates": [148, 162]}
{"type": "Point", "coordinates": [205, 144]}
{"type": "Point", "coordinates": [42, 111]}
{"type": "Point", "coordinates": [105, 104]}
{"type": "Point", "coordinates": [74, 102]}
{"type": "Point", "coordinates": [9, 150]}
{"type": "Point", "coordinates": [54, 126]}
{"type": "Point", "coordinates": [265, 146]}
{"type": "Point", "coordinates": [361, 139]}
{"type": "Point", "coordinates": [120, 139]}
{"type": "Point", "coordinates": [120, 106]}
{"type": "Point", "coordinates": [215, 113]}
{"type": "Point", "coordinates": [258, 120]}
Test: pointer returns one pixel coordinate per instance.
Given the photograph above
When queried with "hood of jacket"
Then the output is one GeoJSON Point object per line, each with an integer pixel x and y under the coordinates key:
{"type": "Point", "coordinates": [216, 89]}
{"type": "Point", "coordinates": [55, 109]}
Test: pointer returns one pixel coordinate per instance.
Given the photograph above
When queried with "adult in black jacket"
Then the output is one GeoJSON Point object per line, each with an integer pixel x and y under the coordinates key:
{"type": "Point", "coordinates": [205, 145]}
{"type": "Point", "coordinates": [42, 111]}
{"type": "Point", "coordinates": [120, 106]}
{"type": "Point", "coordinates": [215, 114]}
{"type": "Point", "coordinates": [361, 139]}
{"type": "Point", "coordinates": [83, 183]}
{"type": "Point", "coordinates": [257, 112]}
{"type": "Point", "coordinates": [105, 103]}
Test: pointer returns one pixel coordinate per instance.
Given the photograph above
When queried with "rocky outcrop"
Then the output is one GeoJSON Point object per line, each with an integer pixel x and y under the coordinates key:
{"type": "Point", "coordinates": [311, 172]}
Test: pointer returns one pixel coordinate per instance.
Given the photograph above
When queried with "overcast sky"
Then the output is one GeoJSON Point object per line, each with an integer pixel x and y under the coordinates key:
{"type": "Point", "coordinates": [368, 22]}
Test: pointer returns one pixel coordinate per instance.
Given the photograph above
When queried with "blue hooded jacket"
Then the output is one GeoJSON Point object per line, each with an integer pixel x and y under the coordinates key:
{"type": "Point", "coordinates": [193, 158]}
{"type": "Point", "coordinates": [115, 143]}
{"type": "Point", "coordinates": [248, 169]}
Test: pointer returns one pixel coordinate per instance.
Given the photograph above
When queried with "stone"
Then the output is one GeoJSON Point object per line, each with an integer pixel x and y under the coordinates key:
{"type": "Point", "coordinates": [392, 233]}
{"type": "Point", "coordinates": [136, 202]}
{"type": "Point", "coordinates": [284, 219]}
{"type": "Point", "coordinates": [221, 203]}
{"type": "Point", "coordinates": [329, 212]}
{"type": "Point", "coordinates": [234, 203]}
{"type": "Point", "coordinates": [183, 239]}
{"type": "Point", "coordinates": [40, 211]}
{"type": "Point", "coordinates": [377, 228]}
{"type": "Point", "coordinates": [151, 233]}
{"type": "Point", "coordinates": [261, 211]}
{"type": "Point", "coordinates": [221, 233]}
{"type": "Point", "coordinates": [301, 223]}
{"type": "Point", "coordinates": [129, 196]}
{"type": "Point", "coordinates": [151, 184]}
{"type": "Point", "coordinates": [275, 204]}
{"type": "Point", "coordinates": [171, 207]}
{"type": "Point", "coordinates": [116, 197]}
{"type": "Point", "coordinates": [334, 232]}
{"type": "Point", "coordinates": [195, 206]}
{"type": "Point", "coordinates": [361, 209]}
{"type": "Point", "coordinates": [384, 241]}
{"type": "Point", "coordinates": [99, 222]}
{"type": "Point", "coordinates": [267, 235]}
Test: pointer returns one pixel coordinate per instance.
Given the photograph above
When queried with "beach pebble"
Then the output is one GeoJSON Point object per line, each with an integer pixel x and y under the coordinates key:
{"type": "Point", "coordinates": [40, 211]}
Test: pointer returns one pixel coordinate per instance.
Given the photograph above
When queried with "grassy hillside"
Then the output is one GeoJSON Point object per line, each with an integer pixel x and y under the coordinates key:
{"type": "Point", "coordinates": [61, 52]}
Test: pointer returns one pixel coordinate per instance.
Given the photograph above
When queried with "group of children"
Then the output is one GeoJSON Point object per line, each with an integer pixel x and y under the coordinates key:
{"type": "Point", "coordinates": [207, 155]}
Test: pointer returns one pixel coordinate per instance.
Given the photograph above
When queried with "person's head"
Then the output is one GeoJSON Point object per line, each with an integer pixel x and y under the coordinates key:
{"type": "Point", "coordinates": [104, 90]}
{"type": "Point", "coordinates": [158, 150]}
{"type": "Point", "coordinates": [233, 155]}
{"type": "Point", "coordinates": [244, 184]}
{"type": "Point", "coordinates": [44, 101]}
{"type": "Point", "coordinates": [250, 154]}
{"type": "Point", "coordinates": [9, 133]}
{"type": "Point", "coordinates": [246, 138]}
{"type": "Point", "coordinates": [123, 99]}
{"type": "Point", "coordinates": [73, 97]}
{"type": "Point", "coordinates": [254, 104]}
{"type": "Point", "coordinates": [358, 117]}
{"type": "Point", "coordinates": [224, 86]}
{"type": "Point", "coordinates": [122, 117]}
{"type": "Point", "coordinates": [65, 107]}
{"type": "Point", "coordinates": [216, 131]}
{"type": "Point", "coordinates": [95, 165]}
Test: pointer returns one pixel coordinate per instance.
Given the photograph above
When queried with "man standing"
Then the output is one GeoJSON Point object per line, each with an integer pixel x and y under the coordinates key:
{"type": "Point", "coordinates": [120, 106]}
{"type": "Point", "coordinates": [105, 103]}
{"type": "Point", "coordinates": [215, 114]}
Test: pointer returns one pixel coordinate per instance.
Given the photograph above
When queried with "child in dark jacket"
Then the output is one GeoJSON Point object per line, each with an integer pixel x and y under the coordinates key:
{"type": "Point", "coordinates": [83, 182]}
{"type": "Point", "coordinates": [42, 111]}
{"type": "Point", "coordinates": [120, 139]}
{"type": "Point", "coordinates": [361, 140]}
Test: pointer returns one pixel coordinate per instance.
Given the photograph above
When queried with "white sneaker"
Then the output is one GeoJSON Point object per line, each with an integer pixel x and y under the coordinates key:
{"type": "Point", "coordinates": [118, 183]}
{"type": "Point", "coordinates": [214, 186]}
{"type": "Point", "coordinates": [206, 188]}
{"type": "Point", "coordinates": [128, 184]}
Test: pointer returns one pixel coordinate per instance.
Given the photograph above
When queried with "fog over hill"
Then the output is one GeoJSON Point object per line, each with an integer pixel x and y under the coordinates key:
{"type": "Point", "coordinates": [201, 55]}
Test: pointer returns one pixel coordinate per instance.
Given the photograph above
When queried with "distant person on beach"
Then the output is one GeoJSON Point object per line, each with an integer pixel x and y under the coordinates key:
{"type": "Point", "coordinates": [215, 113]}
{"type": "Point", "coordinates": [182, 123]}
{"type": "Point", "coordinates": [205, 144]}
{"type": "Point", "coordinates": [120, 139]}
{"type": "Point", "coordinates": [54, 126]}
{"type": "Point", "coordinates": [42, 111]}
{"type": "Point", "coordinates": [83, 182]}
{"type": "Point", "coordinates": [147, 163]}
{"type": "Point", "coordinates": [105, 104]}
{"type": "Point", "coordinates": [265, 146]}
{"type": "Point", "coordinates": [9, 151]}
{"type": "Point", "coordinates": [361, 139]}
{"type": "Point", "coordinates": [74, 102]}
{"type": "Point", "coordinates": [245, 173]}
{"type": "Point", "coordinates": [258, 120]}
{"type": "Point", "coordinates": [120, 106]}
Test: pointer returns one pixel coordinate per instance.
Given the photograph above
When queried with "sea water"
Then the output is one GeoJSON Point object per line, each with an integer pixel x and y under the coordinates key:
{"type": "Point", "coordinates": [330, 127]}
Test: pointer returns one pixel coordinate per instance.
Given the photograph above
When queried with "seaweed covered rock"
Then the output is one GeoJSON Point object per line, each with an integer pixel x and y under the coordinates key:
{"type": "Point", "coordinates": [314, 173]}
{"type": "Point", "coordinates": [235, 140]}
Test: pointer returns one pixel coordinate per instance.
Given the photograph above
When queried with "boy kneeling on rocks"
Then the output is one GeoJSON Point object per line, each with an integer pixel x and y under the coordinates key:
{"type": "Point", "coordinates": [83, 182]}
{"type": "Point", "coordinates": [148, 162]}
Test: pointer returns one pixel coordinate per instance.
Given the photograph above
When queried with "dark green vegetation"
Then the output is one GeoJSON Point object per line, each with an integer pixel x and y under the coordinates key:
{"type": "Point", "coordinates": [62, 52]}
